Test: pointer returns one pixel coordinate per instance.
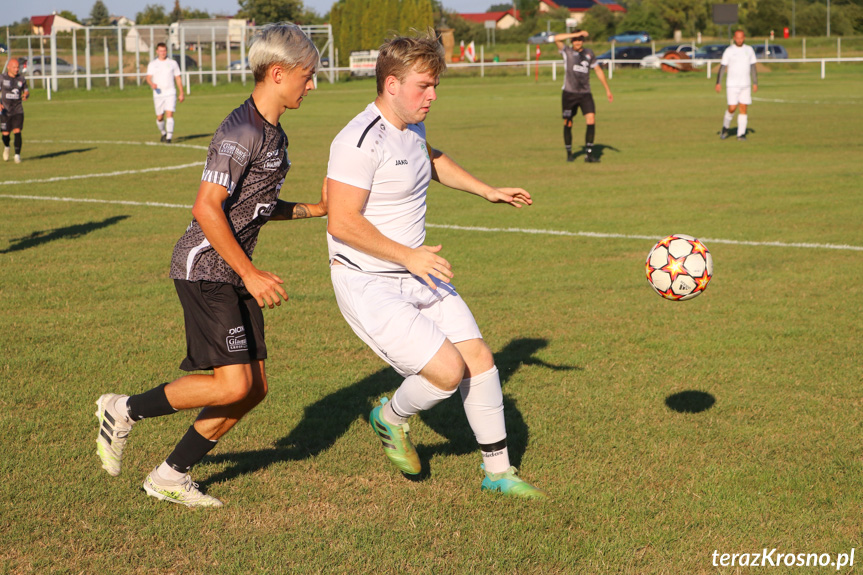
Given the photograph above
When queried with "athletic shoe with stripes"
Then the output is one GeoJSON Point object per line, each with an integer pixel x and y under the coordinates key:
{"type": "Point", "coordinates": [396, 441]}
{"type": "Point", "coordinates": [509, 483]}
{"type": "Point", "coordinates": [113, 431]}
{"type": "Point", "coordinates": [185, 492]}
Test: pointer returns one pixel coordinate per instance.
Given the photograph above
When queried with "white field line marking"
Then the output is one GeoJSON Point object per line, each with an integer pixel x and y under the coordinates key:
{"type": "Point", "coordinates": [157, 144]}
{"type": "Point", "coordinates": [480, 229]}
{"type": "Point", "coordinates": [109, 174]}
{"type": "Point", "coordinates": [105, 175]}
{"type": "Point", "coordinates": [778, 101]}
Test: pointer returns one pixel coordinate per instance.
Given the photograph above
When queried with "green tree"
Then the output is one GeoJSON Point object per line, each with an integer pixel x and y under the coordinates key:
{"type": "Point", "coordinates": [99, 15]}
{"type": "Point", "coordinates": [599, 22]}
{"type": "Point", "coordinates": [152, 14]}
{"type": "Point", "coordinates": [768, 15]}
{"type": "Point", "coordinates": [177, 13]}
{"type": "Point", "coordinates": [645, 17]}
{"type": "Point", "coordinates": [267, 11]}
{"type": "Point", "coordinates": [69, 16]}
{"type": "Point", "coordinates": [194, 14]}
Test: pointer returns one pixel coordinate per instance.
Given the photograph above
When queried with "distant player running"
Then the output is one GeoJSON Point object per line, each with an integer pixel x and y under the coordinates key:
{"type": "Point", "coordinates": [738, 61]}
{"type": "Point", "coordinates": [221, 291]}
{"type": "Point", "coordinates": [162, 75]}
{"type": "Point", "coordinates": [578, 61]}
{"type": "Point", "coordinates": [13, 91]}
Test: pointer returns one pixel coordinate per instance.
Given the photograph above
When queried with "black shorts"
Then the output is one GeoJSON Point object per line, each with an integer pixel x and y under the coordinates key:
{"type": "Point", "coordinates": [224, 325]}
{"type": "Point", "coordinates": [571, 102]}
{"type": "Point", "coordinates": [10, 122]}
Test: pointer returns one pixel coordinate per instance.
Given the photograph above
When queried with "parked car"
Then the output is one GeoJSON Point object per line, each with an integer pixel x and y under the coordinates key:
{"type": "Point", "coordinates": [39, 66]}
{"type": "Point", "coordinates": [3, 48]}
{"type": "Point", "coordinates": [774, 52]}
{"type": "Point", "coordinates": [654, 60]}
{"type": "Point", "coordinates": [239, 65]}
{"type": "Point", "coordinates": [711, 51]}
{"type": "Point", "coordinates": [191, 63]}
{"type": "Point", "coordinates": [541, 38]}
{"type": "Point", "coordinates": [624, 55]}
{"type": "Point", "coordinates": [631, 37]}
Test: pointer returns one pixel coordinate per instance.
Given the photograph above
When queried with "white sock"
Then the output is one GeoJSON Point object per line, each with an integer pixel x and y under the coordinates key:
{"type": "Point", "coordinates": [169, 474]}
{"type": "Point", "coordinates": [416, 394]}
{"type": "Point", "coordinates": [169, 125]}
{"type": "Point", "coordinates": [483, 405]}
{"type": "Point", "coordinates": [161, 125]}
{"type": "Point", "coordinates": [726, 121]}
{"type": "Point", "coordinates": [496, 461]}
{"type": "Point", "coordinates": [741, 124]}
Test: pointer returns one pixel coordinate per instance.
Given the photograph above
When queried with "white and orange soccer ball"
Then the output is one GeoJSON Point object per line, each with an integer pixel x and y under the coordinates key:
{"type": "Point", "coordinates": [679, 267]}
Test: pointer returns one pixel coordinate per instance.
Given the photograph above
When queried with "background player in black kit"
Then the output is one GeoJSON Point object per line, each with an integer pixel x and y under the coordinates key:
{"type": "Point", "coordinates": [13, 91]}
{"type": "Point", "coordinates": [577, 64]}
{"type": "Point", "coordinates": [221, 292]}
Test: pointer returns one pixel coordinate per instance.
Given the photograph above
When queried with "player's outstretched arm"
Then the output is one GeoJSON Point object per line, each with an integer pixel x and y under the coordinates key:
{"type": "Point", "coordinates": [298, 211]}
{"type": "Point", "coordinates": [601, 75]}
{"type": "Point", "coordinates": [347, 223]}
{"type": "Point", "coordinates": [559, 39]}
{"type": "Point", "coordinates": [450, 174]}
{"type": "Point", "coordinates": [265, 287]}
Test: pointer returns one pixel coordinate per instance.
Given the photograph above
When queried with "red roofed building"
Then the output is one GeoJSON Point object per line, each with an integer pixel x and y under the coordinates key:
{"type": "Point", "coordinates": [578, 8]}
{"type": "Point", "coordinates": [503, 20]}
{"type": "Point", "coordinates": [42, 25]}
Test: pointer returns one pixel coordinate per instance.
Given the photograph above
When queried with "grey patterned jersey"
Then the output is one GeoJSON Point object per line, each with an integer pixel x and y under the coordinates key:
{"type": "Point", "coordinates": [577, 66]}
{"type": "Point", "coordinates": [12, 89]}
{"type": "Point", "coordinates": [249, 157]}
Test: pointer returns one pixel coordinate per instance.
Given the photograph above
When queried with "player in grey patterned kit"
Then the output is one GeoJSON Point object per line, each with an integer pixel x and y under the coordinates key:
{"type": "Point", "coordinates": [13, 91]}
{"type": "Point", "coordinates": [221, 291]}
{"type": "Point", "coordinates": [578, 61]}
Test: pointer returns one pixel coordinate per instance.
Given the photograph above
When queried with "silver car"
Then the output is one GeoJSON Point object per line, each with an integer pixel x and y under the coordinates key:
{"type": "Point", "coordinates": [39, 66]}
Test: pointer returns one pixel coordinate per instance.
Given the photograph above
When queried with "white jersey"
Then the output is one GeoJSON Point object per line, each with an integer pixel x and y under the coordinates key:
{"type": "Point", "coordinates": [163, 73]}
{"type": "Point", "coordinates": [738, 61]}
{"type": "Point", "coordinates": [394, 165]}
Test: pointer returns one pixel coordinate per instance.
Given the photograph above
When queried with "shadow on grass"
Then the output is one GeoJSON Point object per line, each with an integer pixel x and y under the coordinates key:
{"type": "Point", "coordinates": [58, 154]}
{"type": "Point", "coordinates": [598, 151]}
{"type": "Point", "coordinates": [690, 401]}
{"type": "Point", "coordinates": [732, 132]}
{"type": "Point", "coordinates": [178, 139]}
{"type": "Point", "coordinates": [40, 237]}
{"type": "Point", "coordinates": [326, 420]}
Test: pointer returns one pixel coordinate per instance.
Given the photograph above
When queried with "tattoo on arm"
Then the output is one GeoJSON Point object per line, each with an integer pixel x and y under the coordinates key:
{"type": "Point", "coordinates": [300, 211]}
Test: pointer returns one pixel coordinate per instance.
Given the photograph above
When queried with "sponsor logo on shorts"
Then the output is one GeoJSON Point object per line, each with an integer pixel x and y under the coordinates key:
{"type": "Point", "coordinates": [236, 339]}
{"type": "Point", "coordinates": [235, 151]}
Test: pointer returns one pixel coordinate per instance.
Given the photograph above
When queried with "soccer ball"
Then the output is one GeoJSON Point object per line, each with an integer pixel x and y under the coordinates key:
{"type": "Point", "coordinates": [679, 267]}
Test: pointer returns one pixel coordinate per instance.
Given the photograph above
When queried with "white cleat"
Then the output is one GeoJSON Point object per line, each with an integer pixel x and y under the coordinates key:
{"type": "Point", "coordinates": [113, 431]}
{"type": "Point", "coordinates": [6, 154]}
{"type": "Point", "coordinates": [185, 492]}
{"type": "Point", "coordinates": [17, 159]}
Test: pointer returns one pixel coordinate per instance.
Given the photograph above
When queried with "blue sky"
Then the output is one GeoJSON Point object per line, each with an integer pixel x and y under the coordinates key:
{"type": "Point", "coordinates": [15, 11]}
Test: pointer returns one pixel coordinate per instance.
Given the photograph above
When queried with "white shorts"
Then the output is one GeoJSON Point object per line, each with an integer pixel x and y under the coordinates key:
{"type": "Point", "coordinates": [165, 104]}
{"type": "Point", "coordinates": [403, 320]}
{"type": "Point", "coordinates": [739, 95]}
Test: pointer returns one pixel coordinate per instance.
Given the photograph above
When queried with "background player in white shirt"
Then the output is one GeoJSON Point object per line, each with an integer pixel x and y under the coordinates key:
{"type": "Point", "coordinates": [162, 75]}
{"type": "Point", "coordinates": [393, 290]}
{"type": "Point", "coordinates": [738, 61]}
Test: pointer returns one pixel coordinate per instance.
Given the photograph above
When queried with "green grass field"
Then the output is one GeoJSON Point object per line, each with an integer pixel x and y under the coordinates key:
{"type": "Point", "coordinates": [663, 431]}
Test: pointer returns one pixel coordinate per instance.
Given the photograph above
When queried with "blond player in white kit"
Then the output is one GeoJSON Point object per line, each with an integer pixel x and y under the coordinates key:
{"type": "Point", "coordinates": [393, 290]}
{"type": "Point", "coordinates": [738, 61]}
{"type": "Point", "coordinates": [162, 75]}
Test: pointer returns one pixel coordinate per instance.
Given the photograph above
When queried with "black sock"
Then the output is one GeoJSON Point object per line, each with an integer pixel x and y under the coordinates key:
{"type": "Point", "coordinates": [191, 449]}
{"type": "Point", "coordinates": [6, 140]}
{"type": "Point", "coordinates": [489, 447]}
{"type": "Point", "coordinates": [567, 137]}
{"type": "Point", "coordinates": [588, 136]}
{"type": "Point", "coordinates": [151, 403]}
{"type": "Point", "coordinates": [17, 142]}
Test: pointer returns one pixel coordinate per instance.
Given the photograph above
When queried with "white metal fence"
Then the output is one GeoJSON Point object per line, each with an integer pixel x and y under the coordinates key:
{"type": "Point", "coordinates": [120, 54]}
